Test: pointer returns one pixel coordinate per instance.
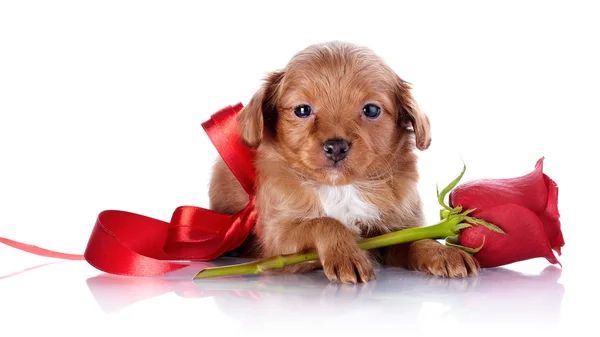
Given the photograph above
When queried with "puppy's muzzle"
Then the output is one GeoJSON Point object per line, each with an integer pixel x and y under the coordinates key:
{"type": "Point", "coordinates": [336, 149]}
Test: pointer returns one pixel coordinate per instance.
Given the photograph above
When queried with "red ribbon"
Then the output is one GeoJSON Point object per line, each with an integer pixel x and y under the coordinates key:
{"type": "Point", "coordinates": [126, 243]}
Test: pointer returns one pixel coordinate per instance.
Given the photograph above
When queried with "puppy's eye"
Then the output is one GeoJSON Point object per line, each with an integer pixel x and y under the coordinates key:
{"type": "Point", "coordinates": [303, 111]}
{"type": "Point", "coordinates": [371, 111]}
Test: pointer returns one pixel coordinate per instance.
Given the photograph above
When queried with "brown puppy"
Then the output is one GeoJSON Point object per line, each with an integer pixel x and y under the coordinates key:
{"type": "Point", "coordinates": [335, 133]}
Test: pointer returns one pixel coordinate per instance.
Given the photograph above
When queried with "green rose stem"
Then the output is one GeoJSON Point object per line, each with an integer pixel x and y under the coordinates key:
{"type": "Point", "coordinates": [452, 222]}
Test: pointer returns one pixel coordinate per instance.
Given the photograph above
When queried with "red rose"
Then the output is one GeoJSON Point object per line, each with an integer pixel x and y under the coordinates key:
{"type": "Point", "coordinates": [526, 208]}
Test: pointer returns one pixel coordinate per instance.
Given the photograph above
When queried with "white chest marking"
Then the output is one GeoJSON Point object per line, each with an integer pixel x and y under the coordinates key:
{"type": "Point", "coordinates": [345, 204]}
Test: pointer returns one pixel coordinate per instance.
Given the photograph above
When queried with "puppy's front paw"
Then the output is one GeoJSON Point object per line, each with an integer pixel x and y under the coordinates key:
{"type": "Point", "coordinates": [346, 263]}
{"type": "Point", "coordinates": [442, 261]}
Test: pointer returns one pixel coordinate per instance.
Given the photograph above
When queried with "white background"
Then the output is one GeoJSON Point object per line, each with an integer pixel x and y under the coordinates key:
{"type": "Point", "coordinates": [101, 104]}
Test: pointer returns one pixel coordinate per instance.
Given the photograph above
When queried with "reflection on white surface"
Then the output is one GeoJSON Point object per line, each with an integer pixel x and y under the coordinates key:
{"type": "Point", "coordinates": [399, 298]}
{"type": "Point", "coordinates": [527, 298]}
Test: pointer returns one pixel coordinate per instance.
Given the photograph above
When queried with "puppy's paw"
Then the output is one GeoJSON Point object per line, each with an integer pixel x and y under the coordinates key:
{"type": "Point", "coordinates": [442, 261]}
{"type": "Point", "coordinates": [346, 263]}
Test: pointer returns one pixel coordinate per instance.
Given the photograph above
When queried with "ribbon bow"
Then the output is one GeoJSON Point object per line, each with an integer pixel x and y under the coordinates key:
{"type": "Point", "coordinates": [126, 243]}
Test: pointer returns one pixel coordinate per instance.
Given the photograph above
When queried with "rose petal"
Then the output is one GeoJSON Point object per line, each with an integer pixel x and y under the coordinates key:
{"type": "Point", "coordinates": [551, 217]}
{"type": "Point", "coordinates": [529, 191]}
{"type": "Point", "coordinates": [524, 237]}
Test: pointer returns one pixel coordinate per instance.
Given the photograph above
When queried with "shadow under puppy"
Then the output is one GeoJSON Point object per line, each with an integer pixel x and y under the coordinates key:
{"type": "Point", "coordinates": [335, 133]}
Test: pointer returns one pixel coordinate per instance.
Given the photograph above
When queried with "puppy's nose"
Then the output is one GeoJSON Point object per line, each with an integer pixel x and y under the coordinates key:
{"type": "Point", "coordinates": [336, 149]}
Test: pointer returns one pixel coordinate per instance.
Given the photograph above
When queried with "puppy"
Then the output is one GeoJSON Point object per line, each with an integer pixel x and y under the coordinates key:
{"type": "Point", "coordinates": [335, 134]}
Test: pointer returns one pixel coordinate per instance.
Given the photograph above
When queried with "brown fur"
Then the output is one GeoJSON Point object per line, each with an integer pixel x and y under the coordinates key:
{"type": "Point", "coordinates": [336, 79]}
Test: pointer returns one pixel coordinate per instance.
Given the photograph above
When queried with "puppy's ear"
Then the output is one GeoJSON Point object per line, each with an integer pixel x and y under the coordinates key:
{"type": "Point", "coordinates": [411, 114]}
{"type": "Point", "coordinates": [260, 112]}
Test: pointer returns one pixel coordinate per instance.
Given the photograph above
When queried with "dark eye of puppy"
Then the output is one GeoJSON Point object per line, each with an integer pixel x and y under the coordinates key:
{"type": "Point", "coordinates": [303, 111]}
{"type": "Point", "coordinates": [371, 111]}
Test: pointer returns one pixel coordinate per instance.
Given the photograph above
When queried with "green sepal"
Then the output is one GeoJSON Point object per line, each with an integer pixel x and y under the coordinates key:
{"type": "Point", "coordinates": [453, 242]}
{"type": "Point", "coordinates": [462, 226]}
{"type": "Point", "coordinates": [453, 239]}
{"type": "Point", "coordinates": [486, 224]}
{"type": "Point", "coordinates": [467, 212]}
{"type": "Point", "coordinates": [442, 195]}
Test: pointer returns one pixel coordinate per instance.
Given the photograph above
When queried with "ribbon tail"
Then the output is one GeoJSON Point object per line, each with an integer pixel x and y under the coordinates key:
{"type": "Point", "coordinates": [40, 251]}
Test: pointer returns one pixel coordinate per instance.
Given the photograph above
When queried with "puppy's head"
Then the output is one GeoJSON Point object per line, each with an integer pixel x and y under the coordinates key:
{"type": "Point", "coordinates": [335, 113]}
